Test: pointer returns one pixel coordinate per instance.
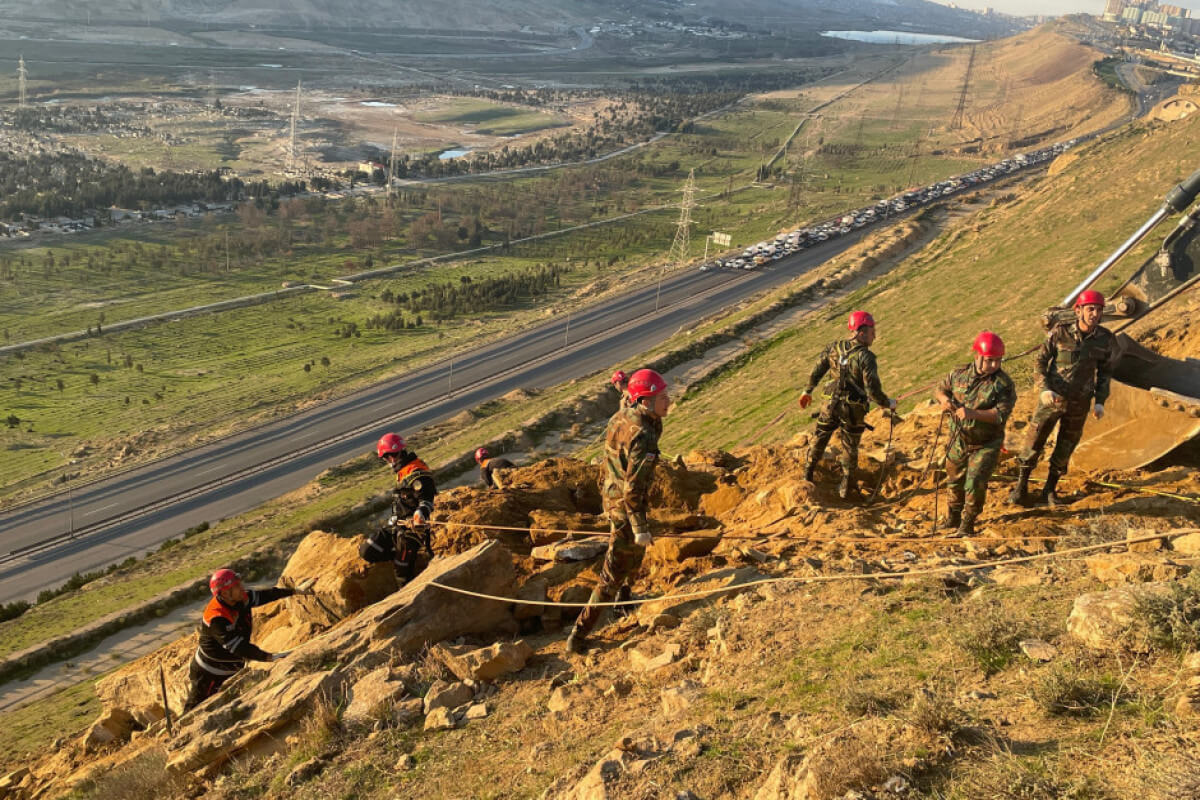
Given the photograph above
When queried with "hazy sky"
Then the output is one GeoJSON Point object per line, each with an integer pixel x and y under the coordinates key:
{"type": "Point", "coordinates": [1048, 6]}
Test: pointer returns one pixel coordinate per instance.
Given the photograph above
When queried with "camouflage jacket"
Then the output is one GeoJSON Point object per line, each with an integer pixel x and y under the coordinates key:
{"type": "Point", "coordinates": [630, 452]}
{"type": "Point", "coordinates": [981, 392]}
{"type": "Point", "coordinates": [855, 375]}
{"type": "Point", "coordinates": [1078, 365]}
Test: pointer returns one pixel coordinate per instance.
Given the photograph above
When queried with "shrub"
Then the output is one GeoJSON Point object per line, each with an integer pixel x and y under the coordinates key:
{"type": "Point", "coordinates": [991, 637]}
{"type": "Point", "coordinates": [1065, 691]}
{"type": "Point", "coordinates": [1172, 620]}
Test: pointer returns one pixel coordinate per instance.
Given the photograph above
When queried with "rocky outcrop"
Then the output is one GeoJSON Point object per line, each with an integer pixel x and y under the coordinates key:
{"type": "Point", "coordinates": [1113, 620]}
{"type": "Point", "coordinates": [132, 696]}
{"type": "Point", "coordinates": [262, 705]}
{"type": "Point", "coordinates": [483, 663]}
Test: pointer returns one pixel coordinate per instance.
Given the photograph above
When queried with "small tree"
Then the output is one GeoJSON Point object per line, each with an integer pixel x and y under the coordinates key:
{"type": "Point", "coordinates": [94, 378]}
{"type": "Point", "coordinates": [13, 420]}
{"type": "Point", "coordinates": [60, 385]}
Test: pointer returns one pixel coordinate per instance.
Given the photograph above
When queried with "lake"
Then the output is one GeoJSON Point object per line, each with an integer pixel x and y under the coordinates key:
{"type": "Point", "coordinates": [896, 37]}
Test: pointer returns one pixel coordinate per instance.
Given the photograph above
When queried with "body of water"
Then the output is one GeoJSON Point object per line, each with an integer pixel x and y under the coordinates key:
{"type": "Point", "coordinates": [377, 104]}
{"type": "Point", "coordinates": [896, 37]}
{"type": "Point", "coordinates": [448, 154]}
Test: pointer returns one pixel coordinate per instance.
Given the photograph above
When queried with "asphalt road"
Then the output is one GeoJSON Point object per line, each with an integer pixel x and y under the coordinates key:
{"type": "Point", "coordinates": [241, 472]}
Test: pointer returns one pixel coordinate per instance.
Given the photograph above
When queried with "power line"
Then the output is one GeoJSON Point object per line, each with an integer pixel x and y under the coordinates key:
{"type": "Point", "coordinates": [293, 151]}
{"type": "Point", "coordinates": [956, 121]}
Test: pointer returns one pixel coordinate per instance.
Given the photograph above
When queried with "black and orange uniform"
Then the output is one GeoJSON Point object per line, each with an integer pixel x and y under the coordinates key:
{"type": "Point", "coordinates": [399, 540]}
{"type": "Point", "coordinates": [487, 470]}
{"type": "Point", "coordinates": [225, 644]}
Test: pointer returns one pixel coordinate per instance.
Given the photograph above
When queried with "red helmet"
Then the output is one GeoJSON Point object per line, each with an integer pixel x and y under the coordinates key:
{"type": "Point", "coordinates": [988, 345]}
{"type": "Point", "coordinates": [389, 445]}
{"type": "Point", "coordinates": [858, 319]}
{"type": "Point", "coordinates": [619, 377]}
{"type": "Point", "coordinates": [645, 383]}
{"type": "Point", "coordinates": [480, 454]}
{"type": "Point", "coordinates": [223, 579]}
{"type": "Point", "coordinates": [1089, 297]}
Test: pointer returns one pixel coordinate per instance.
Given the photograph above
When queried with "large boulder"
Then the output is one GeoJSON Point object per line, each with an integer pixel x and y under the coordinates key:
{"type": "Point", "coordinates": [132, 698]}
{"type": "Point", "coordinates": [1113, 620]}
{"type": "Point", "coordinates": [261, 706]}
{"type": "Point", "coordinates": [344, 584]}
{"type": "Point", "coordinates": [483, 663]}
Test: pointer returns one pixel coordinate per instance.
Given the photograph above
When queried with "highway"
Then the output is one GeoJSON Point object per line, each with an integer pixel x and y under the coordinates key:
{"type": "Point", "coordinates": [134, 512]}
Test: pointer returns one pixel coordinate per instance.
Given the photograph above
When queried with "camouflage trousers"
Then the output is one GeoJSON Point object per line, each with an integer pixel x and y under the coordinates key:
{"type": "Point", "coordinates": [1069, 418]}
{"type": "Point", "coordinates": [968, 469]}
{"type": "Point", "coordinates": [850, 419]}
{"type": "Point", "coordinates": [622, 560]}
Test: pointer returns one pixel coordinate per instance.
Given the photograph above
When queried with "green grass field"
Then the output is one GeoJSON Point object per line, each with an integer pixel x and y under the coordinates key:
{"type": "Point", "coordinates": [491, 118]}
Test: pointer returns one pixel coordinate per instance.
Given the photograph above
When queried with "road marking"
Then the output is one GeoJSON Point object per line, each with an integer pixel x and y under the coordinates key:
{"type": "Point", "coordinates": [98, 510]}
{"type": "Point", "coordinates": [210, 469]}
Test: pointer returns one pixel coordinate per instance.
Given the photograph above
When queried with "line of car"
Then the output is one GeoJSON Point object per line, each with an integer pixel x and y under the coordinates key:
{"type": "Point", "coordinates": [793, 241]}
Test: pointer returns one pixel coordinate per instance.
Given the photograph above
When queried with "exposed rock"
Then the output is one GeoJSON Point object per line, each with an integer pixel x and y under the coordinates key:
{"type": "Point", "coordinates": [132, 696]}
{"type": "Point", "coordinates": [1117, 568]}
{"type": "Point", "coordinates": [563, 697]}
{"type": "Point", "coordinates": [443, 694]}
{"type": "Point", "coordinates": [408, 711]}
{"type": "Point", "coordinates": [545, 526]}
{"type": "Point", "coordinates": [1015, 576]}
{"type": "Point", "coordinates": [847, 762]}
{"type": "Point", "coordinates": [1109, 620]}
{"type": "Point", "coordinates": [1149, 546]}
{"type": "Point", "coordinates": [673, 548]}
{"type": "Point", "coordinates": [678, 699]}
{"type": "Point", "coordinates": [1038, 650]}
{"type": "Point", "coordinates": [1188, 544]}
{"type": "Point", "coordinates": [483, 663]}
{"type": "Point", "coordinates": [572, 550]}
{"type": "Point", "coordinates": [664, 622]}
{"type": "Point", "coordinates": [257, 705]}
{"type": "Point", "coordinates": [440, 719]}
{"type": "Point", "coordinates": [643, 661]}
{"type": "Point", "coordinates": [405, 762]}
{"type": "Point", "coordinates": [344, 584]}
{"type": "Point", "coordinates": [373, 694]}
{"type": "Point", "coordinates": [305, 770]}
{"type": "Point", "coordinates": [476, 711]}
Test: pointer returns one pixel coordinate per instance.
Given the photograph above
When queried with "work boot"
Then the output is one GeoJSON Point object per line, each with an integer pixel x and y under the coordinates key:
{"type": "Point", "coordinates": [577, 643]}
{"type": "Point", "coordinates": [1019, 496]}
{"type": "Point", "coordinates": [624, 594]}
{"type": "Point", "coordinates": [1049, 494]}
{"type": "Point", "coordinates": [966, 525]}
{"type": "Point", "coordinates": [810, 470]}
{"type": "Point", "coordinates": [848, 488]}
{"type": "Point", "coordinates": [953, 517]}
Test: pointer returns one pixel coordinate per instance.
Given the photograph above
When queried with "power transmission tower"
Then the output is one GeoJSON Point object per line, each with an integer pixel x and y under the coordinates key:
{"type": "Point", "coordinates": [22, 77]}
{"type": "Point", "coordinates": [391, 179]}
{"type": "Point", "coordinates": [293, 151]}
{"type": "Point", "coordinates": [956, 121]}
{"type": "Point", "coordinates": [683, 231]}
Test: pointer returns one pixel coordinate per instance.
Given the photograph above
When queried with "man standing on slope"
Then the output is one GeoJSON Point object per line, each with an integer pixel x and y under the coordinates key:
{"type": "Point", "coordinates": [412, 507]}
{"type": "Point", "coordinates": [225, 633]}
{"type": "Point", "coordinates": [630, 453]}
{"type": "Point", "coordinates": [855, 384]}
{"type": "Point", "coordinates": [980, 398]}
{"type": "Point", "coordinates": [1075, 365]}
{"type": "Point", "coordinates": [488, 467]}
{"type": "Point", "coordinates": [620, 382]}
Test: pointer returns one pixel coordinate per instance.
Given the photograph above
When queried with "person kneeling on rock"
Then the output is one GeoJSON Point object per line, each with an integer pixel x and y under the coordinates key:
{"type": "Point", "coordinates": [630, 453]}
{"type": "Point", "coordinates": [489, 468]}
{"type": "Point", "coordinates": [401, 539]}
{"type": "Point", "coordinates": [225, 633]}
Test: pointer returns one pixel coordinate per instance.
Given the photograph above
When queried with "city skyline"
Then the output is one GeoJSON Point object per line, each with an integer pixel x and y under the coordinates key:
{"type": "Point", "coordinates": [1046, 7]}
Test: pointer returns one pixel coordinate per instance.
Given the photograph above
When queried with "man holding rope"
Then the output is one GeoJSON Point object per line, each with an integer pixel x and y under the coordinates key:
{"type": "Point", "coordinates": [979, 398]}
{"type": "Point", "coordinates": [1075, 365]}
{"type": "Point", "coordinates": [855, 385]}
{"type": "Point", "coordinates": [630, 453]}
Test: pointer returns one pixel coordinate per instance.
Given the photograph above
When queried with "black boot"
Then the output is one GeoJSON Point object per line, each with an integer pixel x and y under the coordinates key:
{"type": "Point", "coordinates": [624, 594]}
{"type": "Point", "coordinates": [1019, 496]}
{"type": "Point", "coordinates": [953, 517]}
{"type": "Point", "coordinates": [810, 470]}
{"type": "Point", "coordinates": [814, 458]}
{"type": "Point", "coordinates": [577, 642]}
{"type": "Point", "coordinates": [966, 524]}
{"type": "Point", "coordinates": [1049, 493]}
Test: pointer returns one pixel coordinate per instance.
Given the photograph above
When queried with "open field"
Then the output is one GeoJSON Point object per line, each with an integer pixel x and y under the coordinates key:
{"type": "Point", "coordinates": [492, 118]}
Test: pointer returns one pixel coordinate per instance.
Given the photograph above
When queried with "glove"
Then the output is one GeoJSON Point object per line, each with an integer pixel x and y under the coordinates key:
{"type": "Point", "coordinates": [891, 404]}
{"type": "Point", "coordinates": [641, 535]}
{"type": "Point", "coordinates": [805, 400]}
{"type": "Point", "coordinates": [280, 656]}
{"type": "Point", "coordinates": [420, 517]}
{"type": "Point", "coordinates": [1098, 410]}
{"type": "Point", "coordinates": [1049, 398]}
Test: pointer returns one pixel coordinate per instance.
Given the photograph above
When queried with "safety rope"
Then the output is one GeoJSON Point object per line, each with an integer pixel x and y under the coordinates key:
{"type": "Point", "coordinates": [820, 578]}
{"type": "Point", "coordinates": [1185, 498]}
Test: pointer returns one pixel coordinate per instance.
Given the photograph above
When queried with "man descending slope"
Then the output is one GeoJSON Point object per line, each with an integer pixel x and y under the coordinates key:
{"type": "Point", "coordinates": [488, 467]}
{"type": "Point", "coordinates": [1075, 366]}
{"type": "Point", "coordinates": [225, 633]}
{"type": "Point", "coordinates": [630, 453]}
{"type": "Point", "coordinates": [400, 540]}
{"type": "Point", "coordinates": [980, 397]}
{"type": "Point", "coordinates": [855, 384]}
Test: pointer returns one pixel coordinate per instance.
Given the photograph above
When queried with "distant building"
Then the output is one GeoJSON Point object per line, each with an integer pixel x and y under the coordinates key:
{"type": "Point", "coordinates": [1132, 14]}
{"type": "Point", "coordinates": [1113, 9]}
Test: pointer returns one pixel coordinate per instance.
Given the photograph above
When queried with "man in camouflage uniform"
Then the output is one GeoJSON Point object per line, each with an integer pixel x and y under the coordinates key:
{"type": "Point", "coordinates": [855, 384]}
{"type": "Point", "coordinates": [1075, 365]}
{"type": "Point", "coordinates": [630, 453]}
{"type": "Point", "coordinates": [980, 398]}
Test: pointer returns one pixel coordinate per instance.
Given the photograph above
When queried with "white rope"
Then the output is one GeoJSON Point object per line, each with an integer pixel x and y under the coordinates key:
{"type": "Point", "coordinates": [818, 578]}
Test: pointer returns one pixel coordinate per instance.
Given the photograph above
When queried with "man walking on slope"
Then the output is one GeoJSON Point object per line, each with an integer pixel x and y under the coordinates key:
{"type": "Point", "coordinates": [1075, 366]}
{"type": "Point", "coordinates": [855, 384]}
{"type": "Point", "coordinates": [980, 398]}
{"type": "Point", "coordinates": [225, 633]}
{"type": "Point", "coordinates": [630, 453]}
{"type": "Point", "coordinates": [412, 507]}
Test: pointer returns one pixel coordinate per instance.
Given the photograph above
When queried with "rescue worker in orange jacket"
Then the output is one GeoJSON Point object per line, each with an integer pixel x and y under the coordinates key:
{"type": "Point", "coordinates": [488, 467]}
{"type": "Point", "coordinates": [400, 540]}
{"type": "Point", "coordinates": [225, 634]}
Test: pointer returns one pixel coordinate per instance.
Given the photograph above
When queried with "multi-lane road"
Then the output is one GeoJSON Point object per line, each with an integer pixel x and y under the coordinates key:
{"type": "Point", "coordinates": [135, 511]}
